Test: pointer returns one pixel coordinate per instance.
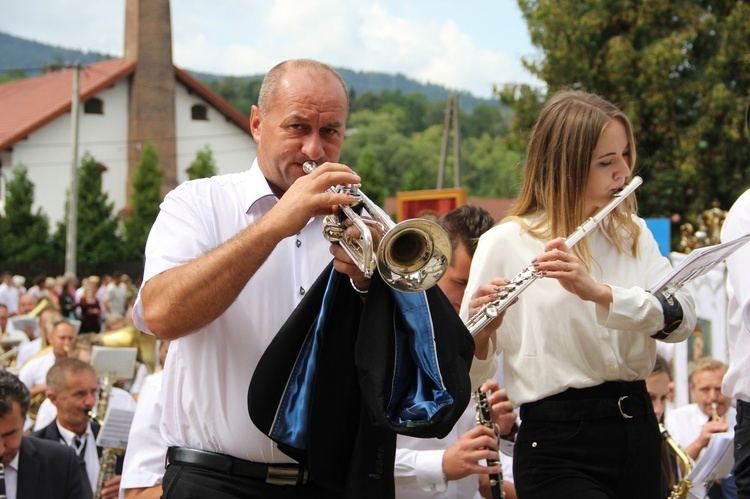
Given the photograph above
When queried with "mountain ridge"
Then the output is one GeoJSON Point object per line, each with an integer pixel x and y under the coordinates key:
{"type": "Point", "coordinates": [19, 56]}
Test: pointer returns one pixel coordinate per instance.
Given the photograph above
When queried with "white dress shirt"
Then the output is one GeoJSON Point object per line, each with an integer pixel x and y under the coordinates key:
{"type": "Point", "coordinates": [208, 373]}
{"type": "Point", "coordinates": [11, 478]}
{"type": "Point", "coordinates": [34, 372]}
{"type": "Point", "coordinates": [551, 339]}
{"type": "Point", "coordinates": [418, 469]}
{"type": "Point", "coordinates": [685, 423]}
{"type": "Point", "coordinates": [144, 460]}
{"type": "Point", "coordinates": [736, 383]}
{"type": "Point", "coordinates": [9, 297]}
{"type": "Point", "coordinates": [26, 350]}
{"type": "Point", "coordinates": [91, 456]}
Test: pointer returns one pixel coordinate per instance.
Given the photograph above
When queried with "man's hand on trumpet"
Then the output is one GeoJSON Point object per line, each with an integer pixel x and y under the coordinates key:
{"type": "Point", "coordinates": [309, 197]}
{"type": "Point", "coordinates": [344, 264]}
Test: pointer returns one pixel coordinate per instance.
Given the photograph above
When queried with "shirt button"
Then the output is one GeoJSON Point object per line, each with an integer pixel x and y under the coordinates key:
{"type": "Point", "coordinates": [301, 290]}
{"type": "Point", "coordinates": [605, 336]}
{"type": "Point", "coordinates": [299, 243]}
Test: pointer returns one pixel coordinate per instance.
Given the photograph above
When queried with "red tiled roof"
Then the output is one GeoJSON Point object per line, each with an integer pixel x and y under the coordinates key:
{"type": "Point", "coordinates": [213, 99]}
{"type": "Point", "coordinates": [27, 105]}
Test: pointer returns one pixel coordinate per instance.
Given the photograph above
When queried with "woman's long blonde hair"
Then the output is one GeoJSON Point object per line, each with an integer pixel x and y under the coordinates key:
{"type": "Point", "coordinates": [559, 157]}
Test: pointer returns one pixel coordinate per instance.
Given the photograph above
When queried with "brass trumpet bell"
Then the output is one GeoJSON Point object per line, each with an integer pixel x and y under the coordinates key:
{"type": "Point", "coordinates": [413, 255]}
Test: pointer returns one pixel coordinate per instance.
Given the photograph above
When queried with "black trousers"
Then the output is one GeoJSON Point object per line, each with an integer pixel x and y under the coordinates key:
{"type": "Point", "coordinates": [742, 450]}
{"type": "Point", "coordinates": [191, 482]}
{"type": "Point", "coordinates": [592, 443]}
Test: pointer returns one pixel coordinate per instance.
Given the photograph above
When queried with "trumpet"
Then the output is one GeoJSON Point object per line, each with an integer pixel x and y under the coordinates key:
{"type": "Point", "coordinates": [412, 256]}
{"type": "Point", "coordinates": [523, 280]}
{"type": "Point", "coordinates": [715, 413]}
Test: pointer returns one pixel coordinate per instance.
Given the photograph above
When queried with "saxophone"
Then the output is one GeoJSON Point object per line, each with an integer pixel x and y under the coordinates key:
{"type": "Point", "coordinates": [108, 460]}
{"type": "Point", "coordinates": [681, 489]}
{"type": "Point", "coordinates": [484, 418]}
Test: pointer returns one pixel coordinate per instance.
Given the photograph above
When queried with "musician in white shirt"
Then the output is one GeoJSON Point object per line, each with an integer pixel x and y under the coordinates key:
{"type": "Point", "coordinates": [736, 382]}
{"type": "Point", "coordinates": [711, 412]}
{"type": "Point", "coordinates": [581, 340]}
{"type": "Point", "coordinates": [448, 467]}
{"type": "Point", "coordinates": [227, 261]}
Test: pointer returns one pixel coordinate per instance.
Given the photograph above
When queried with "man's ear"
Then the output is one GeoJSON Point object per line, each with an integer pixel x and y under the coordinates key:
{"type": "Point", "coordinates": [255, 120]}
{"type": "Point", "coordinates": [52, 396]}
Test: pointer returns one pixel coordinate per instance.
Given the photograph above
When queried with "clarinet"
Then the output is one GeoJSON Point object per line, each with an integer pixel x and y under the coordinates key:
{"type": "Point", "coordinates": [484, 418]}
{"type": "Point", "coordinates": [523, 280]}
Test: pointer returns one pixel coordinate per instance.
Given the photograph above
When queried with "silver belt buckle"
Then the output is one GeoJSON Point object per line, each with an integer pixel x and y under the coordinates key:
{"type": "Point", "coordinates": [619, 406]}
{"type": "Point", "coordinates": [277, 475]}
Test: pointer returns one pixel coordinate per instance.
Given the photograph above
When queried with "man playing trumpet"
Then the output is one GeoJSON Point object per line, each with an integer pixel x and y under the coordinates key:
{"type": "Point", "coordinates": [692, 425]}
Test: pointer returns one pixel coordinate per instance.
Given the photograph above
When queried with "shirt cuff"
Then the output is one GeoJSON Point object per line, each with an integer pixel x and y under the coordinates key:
{"type": "Point", "coordinates": [430, 470]}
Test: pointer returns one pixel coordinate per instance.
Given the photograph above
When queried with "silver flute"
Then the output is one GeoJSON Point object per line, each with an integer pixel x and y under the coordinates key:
{"type": "Point", "coordinates": [507, 295]}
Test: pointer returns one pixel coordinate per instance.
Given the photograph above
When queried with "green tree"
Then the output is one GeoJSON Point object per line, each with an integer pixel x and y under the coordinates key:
{"type": "Point", "coordinates": [241, 93]}
{"type": "Point", "coordinates": [490, 169]}
{"type": "Point", "coordinates": [679, 69]}
{"type": "Point", "coordinates": [372, 178]}
{"type": "Point", "coordinates": [97, 240]}
{"type": "Point", "coordinates": [25, 233]}
{"type": "Point", "coordinates": [147, 181]}
{"type": "Point", "coordinates": [203, 166]}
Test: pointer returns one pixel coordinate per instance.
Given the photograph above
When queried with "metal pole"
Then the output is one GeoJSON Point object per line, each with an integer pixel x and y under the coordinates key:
{"type": "Point", "coordinates": [456, 145]}
{"type": "Point", "coordinates": [444, 147]}
{"type": "Point", "coordinates": [72, 234]}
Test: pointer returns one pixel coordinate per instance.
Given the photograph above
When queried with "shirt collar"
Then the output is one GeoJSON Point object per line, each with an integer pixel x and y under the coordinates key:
{"type": "Point", "coordinates": [13, 464]}
{"type": "Point", "coordinates": [68, 435]}
{"type": "Point", "coordinates": [258, 187]}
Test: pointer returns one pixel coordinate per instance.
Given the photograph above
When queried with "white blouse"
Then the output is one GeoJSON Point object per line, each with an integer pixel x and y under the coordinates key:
{"type": "Point", "coordinates": [551, 339]}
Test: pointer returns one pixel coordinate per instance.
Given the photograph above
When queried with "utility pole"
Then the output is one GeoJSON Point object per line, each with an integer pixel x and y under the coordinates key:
{"type": "Point", "coordinates": [72, 234]}
{"type": "Point", "coordinates": [451, 119]}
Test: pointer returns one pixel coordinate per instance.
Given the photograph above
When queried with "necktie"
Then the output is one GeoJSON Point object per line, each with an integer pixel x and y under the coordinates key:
{"type": "Point", "coordinates": [81, 452]}
{"type": "Point", "coordinates": [2, 481]}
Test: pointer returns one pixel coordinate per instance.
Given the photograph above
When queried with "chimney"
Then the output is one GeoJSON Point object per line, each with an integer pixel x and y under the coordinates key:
{"type": "Point", "coordinates": [148, 41]}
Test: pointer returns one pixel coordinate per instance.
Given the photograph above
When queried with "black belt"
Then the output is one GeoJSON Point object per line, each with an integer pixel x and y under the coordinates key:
{"type": "Point", "coordinates": [274, 474]}
{"type": "Point", "coordinates": [622, 399]}
{"type": "Point", "coordinates": [743, 409]}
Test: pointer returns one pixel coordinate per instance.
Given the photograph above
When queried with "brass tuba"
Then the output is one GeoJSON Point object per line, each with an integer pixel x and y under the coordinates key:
{"type": "Point", "coordinates": [412, 256]}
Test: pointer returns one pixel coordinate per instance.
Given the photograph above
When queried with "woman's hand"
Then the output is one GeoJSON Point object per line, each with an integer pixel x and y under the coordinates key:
{"type": "Point", "coordinates": [559, 263]}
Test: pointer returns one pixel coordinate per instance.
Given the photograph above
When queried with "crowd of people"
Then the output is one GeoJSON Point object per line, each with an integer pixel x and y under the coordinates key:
{"type": "Point", "coordinates": [574, 383]}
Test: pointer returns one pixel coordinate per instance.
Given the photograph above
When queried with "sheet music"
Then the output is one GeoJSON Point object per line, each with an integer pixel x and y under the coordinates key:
{"type": "Point", "coordinates": [715, 462]}
{"type": "Point", "coordinates": [114, 362]}
{"type": "Point", "coordinates": [115, 429]}
{"type": "Point", "coordinates": [696, 264]}
{"type": "Point", "coordinates": [20, 322]}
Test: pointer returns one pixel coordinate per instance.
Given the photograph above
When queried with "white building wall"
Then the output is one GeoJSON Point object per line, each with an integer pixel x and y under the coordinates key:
{"type": "Point", "coordinates": [233, 148]}
{"type": "Point", "coordinates": [47, 153]}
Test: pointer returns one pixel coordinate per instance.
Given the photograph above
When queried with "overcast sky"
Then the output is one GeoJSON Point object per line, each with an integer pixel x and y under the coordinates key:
{"type": "Point", "coordinates": [461, 45]}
